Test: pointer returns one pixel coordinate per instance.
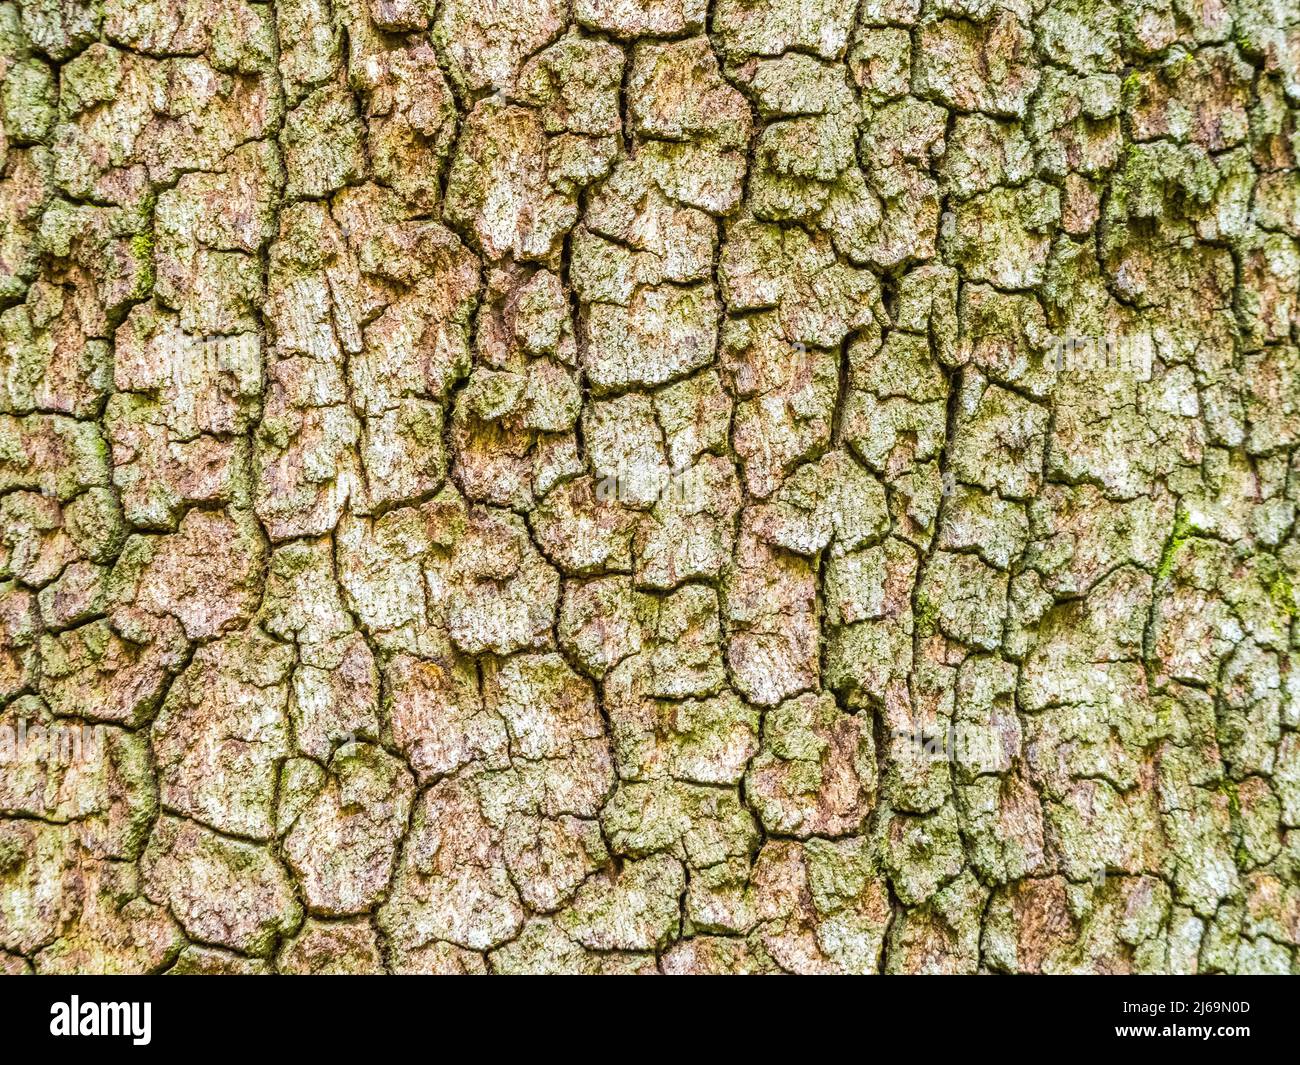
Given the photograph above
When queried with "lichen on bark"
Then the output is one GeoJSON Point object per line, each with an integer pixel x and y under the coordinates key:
{"type": "Point", "coordinates": [624, 486]}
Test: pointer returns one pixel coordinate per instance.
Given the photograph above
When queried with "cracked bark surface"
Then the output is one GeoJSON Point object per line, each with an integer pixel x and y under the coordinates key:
{"type": "Point", "coordinates": [563, 485]}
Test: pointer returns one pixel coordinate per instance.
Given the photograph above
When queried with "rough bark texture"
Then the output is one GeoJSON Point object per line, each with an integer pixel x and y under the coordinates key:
{"type": "Point", "coordinates": [650, 485]}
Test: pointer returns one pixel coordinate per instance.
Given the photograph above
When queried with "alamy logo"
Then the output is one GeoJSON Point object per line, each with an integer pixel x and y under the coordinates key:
{"type": "Point", "coordinates": [102, 1018]}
